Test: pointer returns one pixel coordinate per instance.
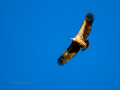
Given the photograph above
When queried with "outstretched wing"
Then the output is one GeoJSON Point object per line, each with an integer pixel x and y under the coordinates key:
{"type": "Point", "coordinates": [69, 53]}
{"type": "Point", "coordinates": [86, 27]}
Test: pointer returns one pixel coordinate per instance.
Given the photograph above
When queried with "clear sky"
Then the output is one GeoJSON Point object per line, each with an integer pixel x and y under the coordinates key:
{"type": "Point", "coordinates": [35, 33]}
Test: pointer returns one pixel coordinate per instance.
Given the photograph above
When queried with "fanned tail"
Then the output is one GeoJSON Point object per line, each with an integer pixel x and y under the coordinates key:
{"type": "Point", "coordinates": [84, 47]}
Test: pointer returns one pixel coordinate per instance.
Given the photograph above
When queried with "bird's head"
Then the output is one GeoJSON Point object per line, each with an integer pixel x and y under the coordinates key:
{"type": "Point", "coordinates": [73, 39]}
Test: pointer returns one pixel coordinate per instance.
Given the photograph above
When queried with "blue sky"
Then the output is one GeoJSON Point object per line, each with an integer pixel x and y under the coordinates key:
{"type": "Point", "coordinates": [35, 33]}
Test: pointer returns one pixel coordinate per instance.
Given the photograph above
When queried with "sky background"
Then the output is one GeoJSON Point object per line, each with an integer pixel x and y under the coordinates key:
{"type": "Point", "coordinates": [35, 33]}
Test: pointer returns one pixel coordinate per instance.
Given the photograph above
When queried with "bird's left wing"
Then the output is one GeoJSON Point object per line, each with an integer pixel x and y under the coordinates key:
{"type": "Point", "coordinates": [69, 53]}
{"type": "Point", "coordinates": [86, 27]}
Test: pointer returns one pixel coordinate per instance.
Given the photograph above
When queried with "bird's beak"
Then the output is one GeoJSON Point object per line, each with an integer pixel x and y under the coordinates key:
{"type": "Point", "coordinates": [71, 38]}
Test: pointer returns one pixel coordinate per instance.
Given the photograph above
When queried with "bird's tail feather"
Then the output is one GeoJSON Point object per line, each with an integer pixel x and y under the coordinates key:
{"type": "Point", "coordinates": [84, 47]}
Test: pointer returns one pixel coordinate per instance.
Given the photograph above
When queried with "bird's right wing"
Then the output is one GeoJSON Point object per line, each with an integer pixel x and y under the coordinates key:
{"type": "Point", "coordinates": [86, 27]}
{"type": "Point", "coordinates": [69, 53]}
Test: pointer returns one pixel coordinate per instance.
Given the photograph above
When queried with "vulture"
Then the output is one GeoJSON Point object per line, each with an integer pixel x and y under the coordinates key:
{"type": "Point", "coordinates": [79, 41]}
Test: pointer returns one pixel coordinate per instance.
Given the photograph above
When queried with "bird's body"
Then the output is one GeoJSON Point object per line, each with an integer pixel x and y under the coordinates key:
{"type": "Point", "coordinates": [79, 41]}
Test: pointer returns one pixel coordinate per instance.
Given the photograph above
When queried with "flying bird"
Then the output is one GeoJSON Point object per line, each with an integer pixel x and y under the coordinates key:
{"type": "Point", "coordinates": [79, 41]}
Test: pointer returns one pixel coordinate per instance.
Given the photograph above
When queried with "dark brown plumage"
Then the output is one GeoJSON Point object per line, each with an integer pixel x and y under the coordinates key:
{"type": "Point", "coordinates": [79, 40]}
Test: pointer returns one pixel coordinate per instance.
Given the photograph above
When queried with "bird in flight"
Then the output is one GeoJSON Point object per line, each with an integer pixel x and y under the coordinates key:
{"type": "Point", "coordinates": [79, 41]}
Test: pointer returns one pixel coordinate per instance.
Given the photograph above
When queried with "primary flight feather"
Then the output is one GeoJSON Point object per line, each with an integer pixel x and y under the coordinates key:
{"type": "Point", "coordinates": [79, 41]}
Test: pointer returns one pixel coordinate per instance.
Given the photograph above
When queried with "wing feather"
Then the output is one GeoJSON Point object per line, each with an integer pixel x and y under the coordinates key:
{"type": "Point", "coordinates": [86, 27]}
{"type": "Point", "coordinates": [69, 53]}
